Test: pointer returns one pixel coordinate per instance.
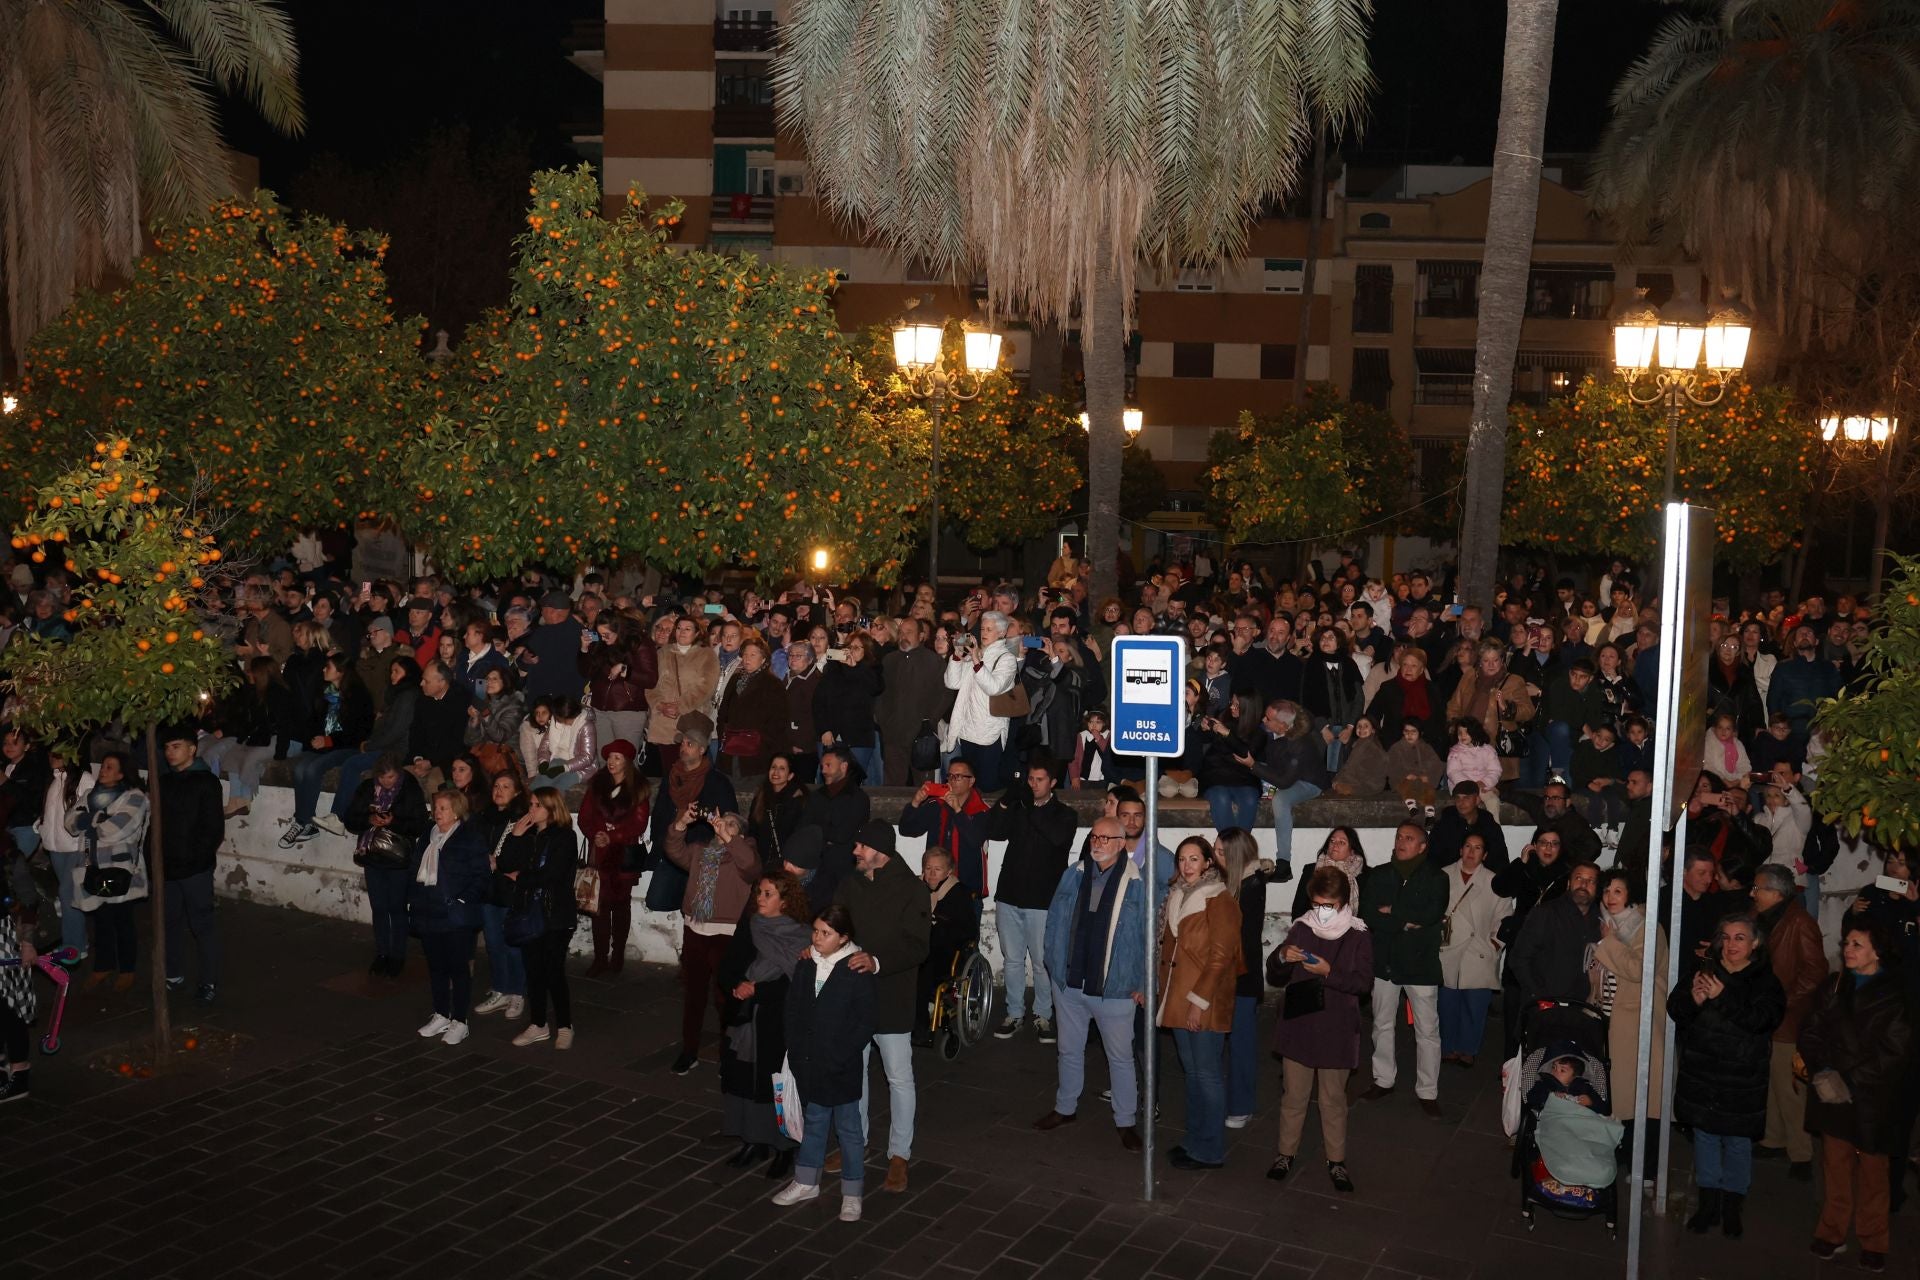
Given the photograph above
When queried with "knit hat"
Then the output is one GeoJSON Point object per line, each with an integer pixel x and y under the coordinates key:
{"type": "Point", "coordinates": [381, 623]}
{"type": "Point", "coordinates": [695, 727]}
{"type": "Point", "coordinates": [804, 847]}
{"type": "Point", "coordinates": [21, 577]}
{"type": "Point", "coordinates": [557, 600]}
{"type": "Point", "coordinates": [878, 836]}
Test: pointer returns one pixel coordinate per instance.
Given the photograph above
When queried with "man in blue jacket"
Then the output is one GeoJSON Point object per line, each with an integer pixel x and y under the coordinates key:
{"type": "Point", "coordinates": [1096, 956]}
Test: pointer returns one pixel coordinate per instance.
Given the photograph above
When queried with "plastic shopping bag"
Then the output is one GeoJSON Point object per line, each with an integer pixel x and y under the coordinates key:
{"type": "Point", "coordinates": [786, 1101]}
{"type": "Point", "coordinates": [1510, 1095]}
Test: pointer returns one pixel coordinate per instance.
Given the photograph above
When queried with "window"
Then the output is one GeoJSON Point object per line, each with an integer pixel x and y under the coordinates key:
{"type": "Point", "coordinates": [1569, 291]}
{"type": "Point", "coordinates": [1277, 360]}
{"type": "Point", "coordinates": [1658, 284]}
{"type": "Point", "coordinates": [1438, 462]}
{"type": "Point", "coordinates": [1444, 375]}
{"type": "Point", "coordinates": [1375, 222]}
{"type": "Point", "coordinates": [760, 178]}
{"type": "Point", "coordinates": [1372, 376]}
{"type": "Point", "coordinates": [1194, 280]}
{"type": "Point", "coordinates": [1373, 299]}
{"type": "Point", "coordinates": [1540, 376]}
{"type": "Point", "coordinates": [1448, 289]}
{"type": "Point", "coordinates": [1193, 359]}
{"type": "Point", "coordinates": [1284, 275]}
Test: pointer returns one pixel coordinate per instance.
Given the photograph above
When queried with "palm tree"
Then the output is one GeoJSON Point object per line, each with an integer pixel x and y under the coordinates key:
{"type": "Point", "coordinates": [1775, 140]}
{"type": "Point", "coordinates": [1526, 69]}
{"type": "Point", "coordinates": [107, 118]}
{"type": "Point", "coordinates": [1060, 146]}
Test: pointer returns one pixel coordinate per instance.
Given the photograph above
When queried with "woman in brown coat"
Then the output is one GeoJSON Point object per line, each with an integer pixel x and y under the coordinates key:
{"type": "Point", "coordinates": [1199, 961]}
{"type": "Point", "coordinates": [753, 712]}
{"type": "Point", "coordinates": [1494, 697]}
{"type": "Point", "coordinates": [688, 674]}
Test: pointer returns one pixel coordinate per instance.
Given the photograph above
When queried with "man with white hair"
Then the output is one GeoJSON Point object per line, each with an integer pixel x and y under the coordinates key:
{"type": "Point", "coordinates": [978, 671]}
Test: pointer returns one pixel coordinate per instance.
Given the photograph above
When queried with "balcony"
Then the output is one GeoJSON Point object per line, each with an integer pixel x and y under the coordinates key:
{"type": "Point", "coordinates": [743, 210]}
{"type": "Point", "coordinates": [743, 120]}
{"type": "Point", "coordinates": [738, 35]}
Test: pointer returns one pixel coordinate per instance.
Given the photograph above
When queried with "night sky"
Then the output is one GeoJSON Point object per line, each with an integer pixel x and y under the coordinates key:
{"type": "Point", "coordinates": [424, 116]}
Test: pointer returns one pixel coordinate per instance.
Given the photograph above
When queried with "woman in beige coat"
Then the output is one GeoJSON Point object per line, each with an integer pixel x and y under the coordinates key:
{"type": "Point", "coordinates": [1615, 975]}
{"type": "Point", "coordinates": [1495, 697]}
{"type": "Point", "coordinates": [1469, 952]}
{"type": "Point", "coordinates": [689, 673]}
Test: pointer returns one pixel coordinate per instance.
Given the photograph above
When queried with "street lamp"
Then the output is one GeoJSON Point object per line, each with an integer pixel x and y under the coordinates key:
{"type": "Point", "coordinates": [1671, 355]}
{"type": "Point", "coordinates": [1131, 418]}
{"type": "Point", "coordinates": [918, 350]}
{"type": "Point", "coordinates": [1859, 436]}
{"type": "Point", "coordinates": [1875, 429]}
{"type": "Point", "coordinates": [8, 404]}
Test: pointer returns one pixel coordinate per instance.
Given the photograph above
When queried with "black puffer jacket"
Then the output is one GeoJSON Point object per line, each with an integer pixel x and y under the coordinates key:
{"type": "Point", "coordinates": [1866, 1034]}
{"type": "Point", "coordinates": [1725, 1047]}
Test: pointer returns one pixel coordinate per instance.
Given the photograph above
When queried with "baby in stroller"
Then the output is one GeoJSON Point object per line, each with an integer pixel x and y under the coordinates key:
{"type": "Point", "coordinates": [1565, 1153]}
{"type": "Point", "coordinates": [1561, 1078]}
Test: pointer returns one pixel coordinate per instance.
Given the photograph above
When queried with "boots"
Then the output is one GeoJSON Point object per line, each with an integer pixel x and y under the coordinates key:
{"type": "Point", "coordinates": [1730, 1215]}
{"type": "Point", "coordinates": [1707, 1216]}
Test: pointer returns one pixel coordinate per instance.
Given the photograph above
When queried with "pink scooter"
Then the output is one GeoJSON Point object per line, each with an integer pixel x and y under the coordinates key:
{"type": "Point", "coordinates": [55, 964]}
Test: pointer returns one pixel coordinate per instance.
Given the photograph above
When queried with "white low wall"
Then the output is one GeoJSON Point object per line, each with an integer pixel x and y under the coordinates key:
{"type": "Point", "coordinates": [319, 876]}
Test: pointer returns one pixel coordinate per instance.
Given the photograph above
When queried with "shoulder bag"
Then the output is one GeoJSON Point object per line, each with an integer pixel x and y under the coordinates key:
{"type": "Point", "coordinates": [586, 885]}
{"type": "Point", "coordinates": [924, 755]}
{"type": "Point", "coordinates": [1013, 704]}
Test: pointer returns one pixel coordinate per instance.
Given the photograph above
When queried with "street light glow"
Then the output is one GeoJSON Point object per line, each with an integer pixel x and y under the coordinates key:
{"type": "Point", "coordinates": [1131, 418]}
{"type": "Point", "coordinates": [9, 403]}
{"type": "Point", "coordinates": [820, 560]}
{"type": "Point", "coordinates": [983, 351]}
{"type": "Point", "coordinates": [1859, 428]}
{"type": "Point", "coordinates": [917, 347]}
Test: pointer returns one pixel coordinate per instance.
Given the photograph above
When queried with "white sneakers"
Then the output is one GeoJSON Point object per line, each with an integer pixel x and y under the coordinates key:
{"type": "Point", "coordinates": [331, 823]}
{"type": "Point", "coordinates": [456, 1032]}
{"type": "Point", "coordinates": [436, 1025]}
{"type": "Point", "coordinates": [1238, 1122]}
{"type": "Point", "coordinates": [494, 1003]}
{"type": "Point", "coordinates": [795, 1192]}
{"type": "Point", "coordinates": [516, 1008]}
{"type": "Point", "coordinates": [533, 1034]}
{"type": "Point", "coordinates": [849, 1208]}
{"type": "Point", "coordinates": [563, 1038]}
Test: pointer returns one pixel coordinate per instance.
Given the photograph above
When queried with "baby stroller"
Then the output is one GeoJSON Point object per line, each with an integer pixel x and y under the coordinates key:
{"type": "Point", "coordinates": [963, 1004]}
{"type": "Point", "coordinates": [1545, 1024]}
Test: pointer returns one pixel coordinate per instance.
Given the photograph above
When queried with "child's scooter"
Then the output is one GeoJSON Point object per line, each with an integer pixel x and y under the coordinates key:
{"type": "Point", "coordinates": [55, 964]}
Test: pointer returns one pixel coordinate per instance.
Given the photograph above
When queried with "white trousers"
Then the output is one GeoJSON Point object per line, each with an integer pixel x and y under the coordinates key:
{"type": "Point", "coordinates": [1426, 1036]}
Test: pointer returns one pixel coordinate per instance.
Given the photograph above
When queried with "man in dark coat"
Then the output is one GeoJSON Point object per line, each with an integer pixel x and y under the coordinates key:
{"type": "Point", "coordinates": [1578, 841]}
{"type": "Point", "coordinates": [915, 680]}
{"type": "Point", "coordinates": [839, 807]}
{"type": "Point", "coordinates": [1799, 960]}
{"type": "Point", "coordinates": [1549, 956]}
{"type": "Point", "coordinates": [192, 827]}
{"type": "Point", "coordinates": [1539, 877]}
{"type": "Point", "coordinates": [1039, 830]}
{"type": "Point", "coordinates": [1467, 816]}
{"type": "Point", "coordinates": [1403, 903]}
{"type": "Point", "coordinates": [892, 915]}
{"type": "Point", "coordinates": [955, 822]}
{"type": "Point", "coordinates": [551, 653]}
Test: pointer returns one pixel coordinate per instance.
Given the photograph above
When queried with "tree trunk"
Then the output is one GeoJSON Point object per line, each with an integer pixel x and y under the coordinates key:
{"type": "Point", "coordinates": [1044, 362]}
{"type": "Point", "coordinates": [1103, 349]}
{"type": "Point", "coordinates": [157, 890]}
{"type": "Point", "coordinates": [1316, 212]}
{"type": "Point", "coordinates": [1527, 67]}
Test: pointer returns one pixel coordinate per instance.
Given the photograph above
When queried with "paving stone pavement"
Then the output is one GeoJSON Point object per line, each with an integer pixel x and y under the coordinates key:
{"type": "Point", "coordinates": [330, 1140]}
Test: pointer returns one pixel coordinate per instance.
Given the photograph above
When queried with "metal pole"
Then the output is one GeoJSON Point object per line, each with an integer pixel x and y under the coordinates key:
{"type": "Point", "coordinates": [1673, 437]}
{"type": "Point", "coordinates": [933, 546]}
{"type": "Point", "coordinates": [1149, 1092]}
{"type": "Point", "coordinates": [1668, 1064]}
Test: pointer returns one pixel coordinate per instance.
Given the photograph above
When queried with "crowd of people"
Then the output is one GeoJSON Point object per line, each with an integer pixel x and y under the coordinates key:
{"type": "Point", "coordinates": [507, 757]}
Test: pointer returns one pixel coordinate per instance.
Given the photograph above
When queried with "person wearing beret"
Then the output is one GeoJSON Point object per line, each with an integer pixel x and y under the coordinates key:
{"type": "Point", "coordinates": [613, 818]}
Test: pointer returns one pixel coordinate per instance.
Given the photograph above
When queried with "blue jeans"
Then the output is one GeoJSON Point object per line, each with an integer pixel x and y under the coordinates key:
{"type": "Point", "coordinates": [1232, 806]}
{"type": "Point", "coordinates": [1810, 895]}
{"type": "Point", "coordinates": [1721, 1162]}
{"type": "Point", "coordinates": [986, 759]}
{"type": "Point", "coordinates": [387, 895]}
{"type": "Point", "coordinates": [871, 764]}
{"type": "Point", "coordinates": [354, 769]}
{"type": "Point", "coordinates": [1115, 1020]}
{"type": "Point", "coordinates": [1463, 1019]}
{"type": "Point", "coordinates": [1533, 766]}
{"type": "Point", "coordinates": [73, 921]}
{"type": "Point", "coordinates": [1336, 749]}
{"type": "Point", "coordinates": [506, 967]}
{"type": "Point", "coordinates": [1023, 938]}
{"type": "Point", "coordinates": [845, 1123]}
{"type": "Point", "coordinates": [1560, 736]}
{"type": "Point", "coordinates": [25, 839]}
{"type": "Point", "coordinates": [1283, 800]}
{"type": "Point", "coordinates": [896, 1060]}
{"type": "Point", "coordinates": [307, 780]}
{"type": "Point", "coordinates": [1243, 1056]}
{"type": "Point", "coordinates": [1202, 1054]}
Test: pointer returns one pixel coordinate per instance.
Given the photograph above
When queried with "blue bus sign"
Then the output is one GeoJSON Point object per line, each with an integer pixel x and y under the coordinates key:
{"type": "Point", "coordinates": [1149, 713]}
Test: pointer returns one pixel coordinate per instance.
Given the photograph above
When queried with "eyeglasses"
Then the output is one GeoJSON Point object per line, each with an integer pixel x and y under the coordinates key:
{"type": "Point", "coordinates": [1120, 838]}
{"type": "Point", "coordinates": [959, 777]}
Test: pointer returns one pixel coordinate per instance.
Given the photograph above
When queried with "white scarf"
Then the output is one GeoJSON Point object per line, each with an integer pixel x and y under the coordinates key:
{"type": "Point", "coordinates": [1628, 924]}
{"type": "Point", "coordinates": [430, 860]}
{"type": "Point", "coordinates": [1336, 926]}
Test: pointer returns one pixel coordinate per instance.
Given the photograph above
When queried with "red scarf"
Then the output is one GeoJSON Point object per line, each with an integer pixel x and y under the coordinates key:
{"type": "Point", "coordinates": [1414, 704]}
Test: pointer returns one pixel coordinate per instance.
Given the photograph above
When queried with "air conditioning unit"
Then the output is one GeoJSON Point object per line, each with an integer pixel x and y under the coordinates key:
{"type": "Point", "coordinates": [793, 184]}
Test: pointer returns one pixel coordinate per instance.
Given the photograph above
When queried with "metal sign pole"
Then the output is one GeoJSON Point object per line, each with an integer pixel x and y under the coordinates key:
{"type": "Point", "coordinates": [1150, 1091]}
{"type": "Point", "coordinates": [1668, 1062]}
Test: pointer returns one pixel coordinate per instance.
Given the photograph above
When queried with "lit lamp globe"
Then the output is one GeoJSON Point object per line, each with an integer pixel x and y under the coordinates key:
{"type": "Point", "coordinates": [982, 351]}
{"type": "Point", "coordinates": [1683, 331]}
{"type": "Point", "coordinates": [1729, 333]}
{"type": "Point", "coordinates": [1636, 330]}
{"type": "Point", "coordinates": [1131, 418]}
{"type": "Point", "coordinates": [917, 346]}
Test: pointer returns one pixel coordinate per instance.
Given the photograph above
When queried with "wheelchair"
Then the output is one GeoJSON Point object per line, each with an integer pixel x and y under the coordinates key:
{"type": "Point", "coordinates": [963, 1004]}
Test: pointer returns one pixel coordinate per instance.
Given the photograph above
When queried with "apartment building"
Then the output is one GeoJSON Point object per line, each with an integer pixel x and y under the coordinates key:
{"type": "Point", "coordinates": [689, 113]}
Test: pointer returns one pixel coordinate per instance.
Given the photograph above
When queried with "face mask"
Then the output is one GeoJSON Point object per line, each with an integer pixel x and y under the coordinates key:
{"type": "Point", "coordinates": [1324, 913]}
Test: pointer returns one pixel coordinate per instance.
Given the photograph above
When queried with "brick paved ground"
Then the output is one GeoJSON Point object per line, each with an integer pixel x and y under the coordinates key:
{"type": "Point", "coordinates": [331, 1140]}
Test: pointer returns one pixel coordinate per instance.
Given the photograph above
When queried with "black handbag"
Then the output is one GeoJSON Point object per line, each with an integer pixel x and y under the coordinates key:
{"type": "Point", "coordinates": [384, 848]}
{"type": "Point", "coordinates": [924, 755]}
{"type": "Point", "coordinates": [526, 920]}
{"type": "Point", "coordinates": [1304, 998]}
{"type": "Point", "coordinates": [1513, 744]}
{"type": "Point", "coordinates": [107, 882]}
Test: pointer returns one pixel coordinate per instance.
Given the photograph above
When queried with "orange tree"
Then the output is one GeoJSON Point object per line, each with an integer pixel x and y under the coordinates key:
{"type": "Point", "coordinates": [1326, 467]}
{"type": "Point", "coordinates": [252, 353]}
{"type": "Point", "coordinates": [137, 656]}
{"type": "Point", "coordinates": [1585, 473]}
{"type": "Point", "coordinates": [634, 401]}
{"type": "Point", "coordinates": [1009, 461]}
{"type": "Point", "coordinates": [1870, 778]}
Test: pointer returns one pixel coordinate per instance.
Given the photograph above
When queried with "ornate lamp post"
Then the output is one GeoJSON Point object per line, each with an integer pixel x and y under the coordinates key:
{"type": "Point", "coordinates": [917, 349]}
{"type": "Point", "coordinates": [1864, 435]}
{"type": "Point", "coordinates": [1678, 354]}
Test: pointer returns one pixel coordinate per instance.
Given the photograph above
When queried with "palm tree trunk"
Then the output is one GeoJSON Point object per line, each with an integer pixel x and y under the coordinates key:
{"type": "Point", "coordinates": [1103, 349]}
{"type": "Point", "coordinates": [1316, 212]}
{"type": "Point", "coordinates": [1515, 198]}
